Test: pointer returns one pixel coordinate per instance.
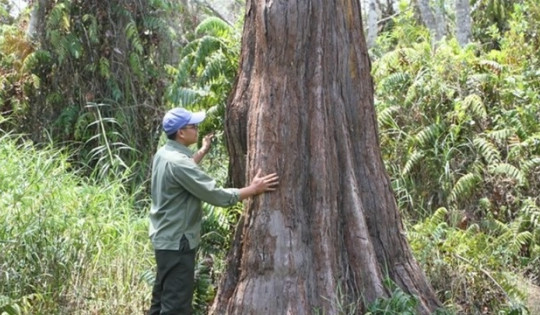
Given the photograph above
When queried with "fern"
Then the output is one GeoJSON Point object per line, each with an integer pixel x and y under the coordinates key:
{"type": "Point", "coordinates": [215, 67]}
{"type": "Point", "coordinates": [491, 65]}
{"type": "Point", "coordinates": [133, 35]}
{"type": "Point", "coordinates": [207, 45]}
{"type": "Point", "coordinates": [104, 67]}
{"type": "Point", "coordinates": [427, 135]}
{"type": "Point", "coordinates": [92, 28]}
{"type": "Point", "coordinates": [500, 136]}
{"type": "Point", "coordinates": [213, 26]}
{"type": "Point", "coordinates": [385, 116]}
{"type": "Point", "coordinates": [510, 171]}
{"type": "Point", "coordinates": [487, 150]}
{"type": "Point", "coordinates": [58, 18]}
{"type": "Point", "coordinates": [528, 165]}
{"type": "Point", "coordinates": [531, 213]}
{"type": "Point", "coordinates": [136, 65]}
{"type": "Point", "coordinates": [464, 187]}
{"type": "Point", "coordinates": [475, 104]}
{"type": "Point", "coordinates": [395, 81]}
{"type": "Point", "coordinates": [413, 160]}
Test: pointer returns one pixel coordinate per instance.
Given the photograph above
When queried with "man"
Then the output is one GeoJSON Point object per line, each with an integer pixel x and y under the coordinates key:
{"type": "Point", "coordinates": [178, 187]}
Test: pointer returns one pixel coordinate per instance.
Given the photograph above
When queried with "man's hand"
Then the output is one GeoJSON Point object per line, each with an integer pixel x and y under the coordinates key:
{"type": "Point", "coordinates": [207, 142]}
{"type": "Point", "coordinates": [264, 183]}
{"type": "Point", "coordinates": [259, 185]}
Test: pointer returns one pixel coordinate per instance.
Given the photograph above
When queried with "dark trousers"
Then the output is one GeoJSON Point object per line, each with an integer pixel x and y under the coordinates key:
{"type": "Point", "coordinates": [173, 289]}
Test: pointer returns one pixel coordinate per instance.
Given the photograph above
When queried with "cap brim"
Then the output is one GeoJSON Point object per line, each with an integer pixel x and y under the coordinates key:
{"type": "Point", "coordinates": [196, 118]}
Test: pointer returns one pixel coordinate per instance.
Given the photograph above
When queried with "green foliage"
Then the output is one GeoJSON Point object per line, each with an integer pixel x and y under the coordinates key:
{"type": "Point", "coordinates": [73, 245]}
{"type": "Point", "coordinates": [470, 269]}
{"type": "Point", "coordinates": [459, 131]}
{"type": "Point", "coordinates": [85, 53]}
{"type": "Point", "coordinates": [399, 302]}
{"type": "Point", "coordinates": [206, 72]}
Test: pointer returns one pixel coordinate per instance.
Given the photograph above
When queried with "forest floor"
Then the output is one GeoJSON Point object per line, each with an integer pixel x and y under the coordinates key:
{"type": "Point", "coordinates": [534, 299]}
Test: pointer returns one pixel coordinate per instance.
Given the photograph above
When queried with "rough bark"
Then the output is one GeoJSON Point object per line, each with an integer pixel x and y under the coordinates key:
{"type": "Point", "coordinates": [332, 231]}
{"type": "Point", "coordinates": [463, 22]}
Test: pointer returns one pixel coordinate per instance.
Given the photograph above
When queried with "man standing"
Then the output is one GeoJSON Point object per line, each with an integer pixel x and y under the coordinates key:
{"type": "Point", "coordinates": [178, 187]}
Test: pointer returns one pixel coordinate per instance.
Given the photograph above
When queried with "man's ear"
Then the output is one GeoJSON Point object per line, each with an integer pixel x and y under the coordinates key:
{"type": "Point", "coordinates": [179, 134]}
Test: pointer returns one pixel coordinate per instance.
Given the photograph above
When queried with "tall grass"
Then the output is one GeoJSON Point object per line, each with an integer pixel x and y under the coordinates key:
{"type": "Point", "coordinates": [67, 245]}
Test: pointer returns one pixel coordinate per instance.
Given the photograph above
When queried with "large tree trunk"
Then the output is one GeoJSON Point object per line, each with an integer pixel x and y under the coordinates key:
{"type": "Point", "coordinates": [463, 22]}
{"type": "Point", "coordinates": [331, 233]}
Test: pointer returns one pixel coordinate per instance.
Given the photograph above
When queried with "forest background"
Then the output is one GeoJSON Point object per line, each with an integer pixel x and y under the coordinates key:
{"type": "Point", "coordinates": [84, 85]}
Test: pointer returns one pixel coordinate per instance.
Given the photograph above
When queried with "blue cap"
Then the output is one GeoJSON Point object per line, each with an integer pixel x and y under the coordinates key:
{"type": "Point", "coordinates": [177, 118]}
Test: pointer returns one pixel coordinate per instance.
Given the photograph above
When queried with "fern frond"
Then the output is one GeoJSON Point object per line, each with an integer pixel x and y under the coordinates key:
{"type": "Point", "coordinates": [153, 23]}
{"type": "Point", "coordinates": [438, 217]}
{"type": "Point", "coordinates": [478, 79]}
{"type": "Point", "coordinates": [104, 67]}
{"type": "Point", "coordinates": [91, 28]}
{"type": "Point", "coordinates": [476, 105]}
{"type": "Point", "coordinates": [531, 212]}
{"type": "Point", "coordinates": [133, 35]}
{"type": "Point", "coordinates": [491, 65]}
{"type": "Point", "coordinates": [186, 97]}
{"type": "Point", "coordinates": [464, 187]}
{"type": "Point", "coordinates": [385, 116]}
{"type": "Point", "coordinates": [529, 165]}
{"type": "Point", "coordinates": [510, 171]}
{"type": "Point", "coordinates": [427, 135]}
{"type": "Point", "coordinates": [35, 58]}
{"type": "Point", "coordinates": [136, 64]}
{"type": "Point", "coordinates": [213, 26]}
{"type": "Point", "coordinates": [207, 46]}
{"type": "Point", "coordinates": [487, 149]}
{"type": "Point", "coordinates": [216, 67]}
{"type": "Point", "coordinates": [395, 81]}
{"type": "Point", "coordinates": [58, 18]}
{"type": "Point", "coordinates": [413, 160]}
{"type": "Point", "coordinates": [500, 136]}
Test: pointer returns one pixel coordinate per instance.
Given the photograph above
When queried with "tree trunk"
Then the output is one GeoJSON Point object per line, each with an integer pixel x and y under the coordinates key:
{"type": "Point", "coordinates": [331, 233]}
{"type": "Point", "coordinates": [435, 23]}
{"type": "Point", "coordinates": [36, 30]}
{"type": "Point", "coordinates": [463, 22]}
{"type": "Point", "coordinates": [372, 17]}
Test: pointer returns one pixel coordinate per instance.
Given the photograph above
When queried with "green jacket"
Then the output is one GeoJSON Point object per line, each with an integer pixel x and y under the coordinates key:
{"type": "Point", "coordinates": [178, 187]}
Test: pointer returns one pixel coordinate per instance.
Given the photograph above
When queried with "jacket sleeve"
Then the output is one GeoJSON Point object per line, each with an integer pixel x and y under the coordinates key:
{"type": "Point", "coordinates": [190, 176]}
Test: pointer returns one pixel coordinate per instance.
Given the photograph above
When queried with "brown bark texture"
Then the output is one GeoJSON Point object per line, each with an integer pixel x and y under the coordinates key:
{"type": "Point", "coordinates": [324, 242]}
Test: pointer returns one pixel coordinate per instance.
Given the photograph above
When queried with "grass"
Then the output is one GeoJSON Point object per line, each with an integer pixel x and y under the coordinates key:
{"type": "Point", "coordinates": [68, 245]}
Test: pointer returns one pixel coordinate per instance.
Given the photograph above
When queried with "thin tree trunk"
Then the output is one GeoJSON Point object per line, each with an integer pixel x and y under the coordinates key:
{"type": "Point", "coordinates": [329, 236]}
{"type": "Point", "coordinates": [372, 17]}
{"type": "Point", "coordinates": [435, 23]}
{"type": "Point", "coordinates": [35, 30]}
{"type": "Point", "coordinates": [463, 22]}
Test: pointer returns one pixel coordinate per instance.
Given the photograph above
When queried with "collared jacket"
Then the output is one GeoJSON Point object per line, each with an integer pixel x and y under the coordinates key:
{"type": "Point", "coordinates": [178, 187]}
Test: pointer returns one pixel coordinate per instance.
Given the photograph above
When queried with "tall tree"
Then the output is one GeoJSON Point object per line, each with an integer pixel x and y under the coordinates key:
{"type": "Point", "coordinates": [434, 21]}
{"type": "Point", "coordinates": [463, 22]}
{"type": "Point", "coordinates": [372, 17]}
{"type": "Point", "coordinates": [303, 107]}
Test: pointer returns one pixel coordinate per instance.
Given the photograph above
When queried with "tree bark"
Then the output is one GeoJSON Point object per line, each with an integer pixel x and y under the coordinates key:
{"type": "Point", "coordinates": [331, 233]}
{"type": "Point", "coordinates": [463, 22]}
{"type": "Point", "coordinates": [35, 30]}
{"type": "Point", "coordinates": [372, 17]}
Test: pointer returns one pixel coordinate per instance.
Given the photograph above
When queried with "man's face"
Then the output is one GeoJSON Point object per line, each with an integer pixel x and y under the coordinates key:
{"type": "Point", "coordinates": [188, 134]}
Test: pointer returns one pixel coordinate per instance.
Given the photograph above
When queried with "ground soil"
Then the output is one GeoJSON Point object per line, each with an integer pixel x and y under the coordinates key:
{"type": "Point", "coordinates": [534, 299]}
